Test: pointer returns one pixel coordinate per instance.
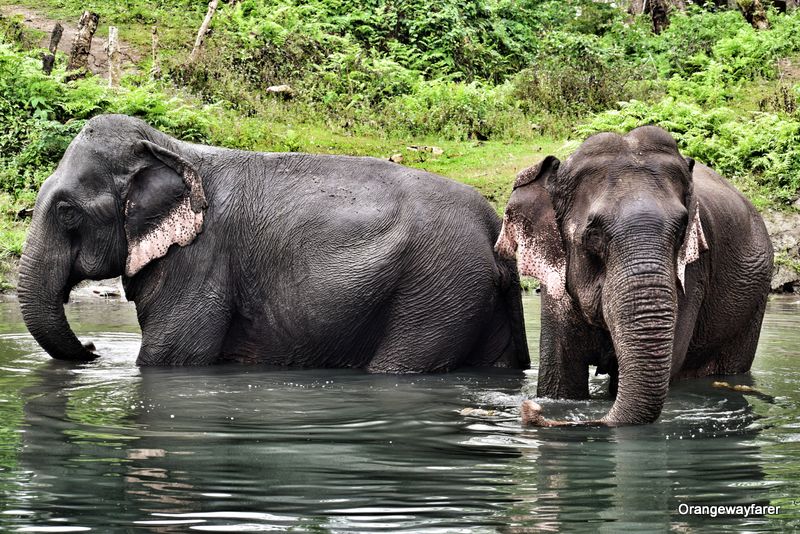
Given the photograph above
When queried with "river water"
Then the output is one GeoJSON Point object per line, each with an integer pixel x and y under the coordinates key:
{"type": "Point", "coordinates": [108, 447]}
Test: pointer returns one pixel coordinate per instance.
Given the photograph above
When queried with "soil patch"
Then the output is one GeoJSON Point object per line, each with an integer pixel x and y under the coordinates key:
{"type": "Point", "coordinates": [98, 55]}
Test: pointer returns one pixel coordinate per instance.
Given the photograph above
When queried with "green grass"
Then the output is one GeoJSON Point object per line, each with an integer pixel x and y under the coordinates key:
{"type": "Point", "coordinates": [782, 258]}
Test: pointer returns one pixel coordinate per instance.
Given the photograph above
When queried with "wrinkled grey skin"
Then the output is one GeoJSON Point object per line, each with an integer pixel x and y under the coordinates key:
{"type": "Point", "coordinates": [608, 233]}
{"type": "Point", "coordinates": [285, 259]}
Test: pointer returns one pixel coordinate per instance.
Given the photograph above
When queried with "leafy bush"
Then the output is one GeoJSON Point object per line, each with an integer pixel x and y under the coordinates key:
{"type": "Point", "coordinates": [39, 116]}
{"type": "Point", "coordinates": [760, 151]}
{"type": "Point", "coordinates": [457, 111]}
{"type": "Point", "coordinates": [750, 54]}
{"type": "Point", "coordinates": [575, 74]}
{"type": "Point", "coordinates": [476, 70]}
{"type": "Point", "coordinates": [352, 63]}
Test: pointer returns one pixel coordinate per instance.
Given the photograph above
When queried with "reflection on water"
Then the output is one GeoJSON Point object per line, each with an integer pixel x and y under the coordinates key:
{"type": "Point", "coordinates": [108, 447]}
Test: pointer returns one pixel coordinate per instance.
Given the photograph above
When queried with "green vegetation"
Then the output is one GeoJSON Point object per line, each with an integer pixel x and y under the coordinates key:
{"type": "Point", "coordinates": [730, 100]}
{"type": "Point", "coordinates": [496, 84]}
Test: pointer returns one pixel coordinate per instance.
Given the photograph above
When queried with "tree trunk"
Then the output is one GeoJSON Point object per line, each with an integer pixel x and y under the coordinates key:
{"type": "Point", "coordinates": [754, 13]}
{"type": "Point", "coordinates": [114, 69]}
{"type": "Point", "coordinates": [659, 12]}
{"type": "Point", "coordinates": [78, 65]}
{"type": "Point", "coordinates": [636, 7]}
{"type": "Point", "coordinates": [203, 31]}
{"type": "Point", "coordinates": [48, 60]}
{"type": "Point", "coordinates": [155, 68]}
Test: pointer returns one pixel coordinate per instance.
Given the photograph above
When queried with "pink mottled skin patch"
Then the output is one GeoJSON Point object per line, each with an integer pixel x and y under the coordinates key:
{"type": "Point", "coordinates": [533, 258]}
{"type": "Point", "coordinates": [694, 243]}
{"type": "Point", "coordinates": [506, 244]}
{"type": "Point", "coordinates": [180, 226]}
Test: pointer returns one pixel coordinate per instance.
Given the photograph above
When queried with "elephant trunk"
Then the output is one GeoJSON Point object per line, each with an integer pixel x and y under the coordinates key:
{"type": "Point", "coordinates": [640, 308]}
{"type": "Point", "coordinates": [43, 284]}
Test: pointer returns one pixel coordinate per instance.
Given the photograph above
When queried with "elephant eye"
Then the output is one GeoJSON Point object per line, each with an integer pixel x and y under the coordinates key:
{"type": "Point", "coordinates": [594, 241]}
{"type": "Point", "coordinates": [68, 215]}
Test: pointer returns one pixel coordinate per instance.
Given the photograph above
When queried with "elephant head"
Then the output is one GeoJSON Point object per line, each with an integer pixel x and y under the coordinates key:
{"type": "Point", "coordinates": [609, 234]}
{"type": "Point", "coordinates": [120, 197]}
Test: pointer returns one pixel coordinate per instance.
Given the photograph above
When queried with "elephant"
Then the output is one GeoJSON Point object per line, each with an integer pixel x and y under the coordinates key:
{"type": "Point", "coordinates": [653, 269]}
{"type": "Point", "coordinates": [285, 259]}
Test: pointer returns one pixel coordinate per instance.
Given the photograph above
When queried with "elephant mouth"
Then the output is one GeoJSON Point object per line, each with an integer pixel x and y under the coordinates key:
{"type": "Point", "coordinates": [67, 291]}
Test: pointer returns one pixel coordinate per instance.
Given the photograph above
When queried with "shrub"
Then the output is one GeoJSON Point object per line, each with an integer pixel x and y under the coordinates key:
{"type": "Point", "coordinates": [575, 75]}
{"type": "Point", "coordinates": [457, 111]}
{"type": "Point", "coordinates": [39, 116]}
{"type": "Point", "coordinates": [760, 151]}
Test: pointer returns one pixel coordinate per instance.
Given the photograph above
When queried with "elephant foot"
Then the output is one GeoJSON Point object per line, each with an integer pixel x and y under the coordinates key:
{"type": "Point", "coordinates": [532, 416]}
{"type": "Point", "coordinates": [747, 390]}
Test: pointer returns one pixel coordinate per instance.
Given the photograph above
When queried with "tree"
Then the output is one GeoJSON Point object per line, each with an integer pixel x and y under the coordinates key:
{"type": "Point", "coordinates": [78, 65]}
{"type": "Point", "coordinates": [754, 13]}
{"type": "Point", "coordinates": [48, 60]}
{"type": "Point", "coordinates": [112, 48]}
{"type": "Point", "coordinates": [786, 6]}
{"type": "Point", "coordinates": [203, 31]}
{"type": "Point", "coordinates": [658, 10]}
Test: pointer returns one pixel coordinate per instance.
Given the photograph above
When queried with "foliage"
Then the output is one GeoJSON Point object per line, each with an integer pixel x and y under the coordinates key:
{"type": "Point", "coordinates": [360, 64]}
{"type": "Point", "coordinates": [456, 110]}
{"type": "Point", "coordinates": [483, 80]}
{"type": "Point", "coordinates": [709, 106]}
{"type": "Point", "coordinates": [759, 150]}
{"type": "Point", "coordinates": [39, 116]}
{"type": "Point", "coordinates": [575, 74]}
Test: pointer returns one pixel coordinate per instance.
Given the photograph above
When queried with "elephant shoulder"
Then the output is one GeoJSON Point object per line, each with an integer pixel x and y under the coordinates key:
{"type": "Point", "coordinates": [725, 207]}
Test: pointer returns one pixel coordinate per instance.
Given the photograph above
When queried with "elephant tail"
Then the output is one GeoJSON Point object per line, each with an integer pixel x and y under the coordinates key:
{"type": "Point", "coordinates": [506, 344]}
{"type": "Point", "coordinates": [511, 299]}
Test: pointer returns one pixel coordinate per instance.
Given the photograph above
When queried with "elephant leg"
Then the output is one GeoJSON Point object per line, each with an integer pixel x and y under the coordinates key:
{"type": "Point", "coordinates": [409, 348]}
{"type": "Point", "coordinates": [184, 335]}
{"type": "Point", "coordinates": [736, 356]}
{"type": "Point", "coordinates": [567, 346]}
{"type": "Point", "coordinates": [436, 340]}
{"type": "Point", "coordinates": [184, 323]}
{"type": "Point", "coordinates": [504, 341]}
{"type": "Point", "coordinates": [563, 371]}
{"type": "Point", "coordinates": [613, 385]}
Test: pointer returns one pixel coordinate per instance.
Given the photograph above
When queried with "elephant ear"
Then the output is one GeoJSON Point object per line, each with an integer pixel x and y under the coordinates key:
{"type": "Point", "coordinates": [694, 241]}
{"type": "Point", "coordinates": [530, 229]}
{"type": "Point", "coordinates": [693, 244]}
{"type": "Point", "coordinates": [164, 206]}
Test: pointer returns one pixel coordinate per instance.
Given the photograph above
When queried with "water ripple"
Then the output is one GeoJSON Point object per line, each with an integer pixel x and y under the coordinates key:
{"type": "Point", "coordinates": [109, 447]}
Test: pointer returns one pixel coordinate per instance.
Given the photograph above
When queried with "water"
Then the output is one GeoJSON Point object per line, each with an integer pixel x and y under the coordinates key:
{"type": "Point", "coordinates": [108, 447]}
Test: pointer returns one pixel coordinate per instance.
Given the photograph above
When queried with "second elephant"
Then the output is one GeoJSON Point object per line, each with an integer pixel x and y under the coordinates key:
{"type": "Point", "coordinates": [654, 269]}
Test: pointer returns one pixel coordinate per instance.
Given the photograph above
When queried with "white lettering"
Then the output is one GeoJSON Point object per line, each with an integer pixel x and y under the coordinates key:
{"type": "Point", "coordinates": [729, 510]}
